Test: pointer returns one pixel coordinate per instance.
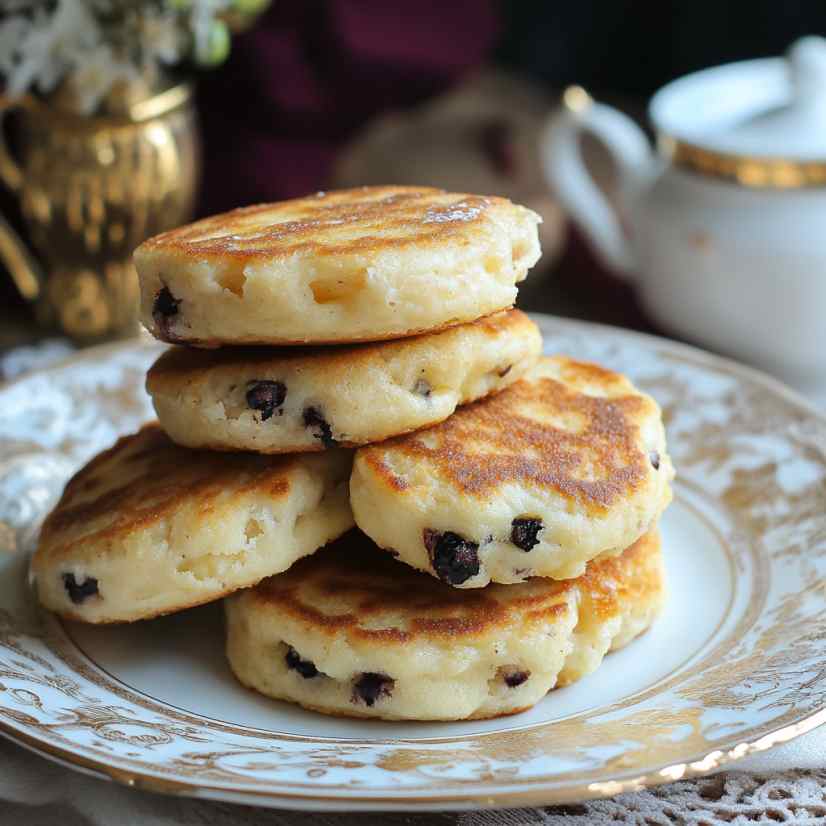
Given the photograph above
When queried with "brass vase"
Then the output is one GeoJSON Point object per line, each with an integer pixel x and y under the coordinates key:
{"type": "Point", "coordinates": [91, 189]}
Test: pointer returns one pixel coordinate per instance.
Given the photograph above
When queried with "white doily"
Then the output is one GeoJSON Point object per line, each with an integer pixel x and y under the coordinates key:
{"type": "Point", "coordinates": [728, 798]}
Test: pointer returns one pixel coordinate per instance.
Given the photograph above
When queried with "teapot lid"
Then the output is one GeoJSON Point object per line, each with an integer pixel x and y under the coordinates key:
{"type": "Point", "coordinates": [769, 114]}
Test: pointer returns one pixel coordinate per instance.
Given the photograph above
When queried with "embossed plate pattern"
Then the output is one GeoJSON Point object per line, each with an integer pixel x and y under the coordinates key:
{"type": "Point", "coordinates": [736, 664]}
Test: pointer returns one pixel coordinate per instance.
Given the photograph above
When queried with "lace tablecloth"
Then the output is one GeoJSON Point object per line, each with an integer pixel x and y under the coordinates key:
{"type": "Point", "coordinates": [786, 785]}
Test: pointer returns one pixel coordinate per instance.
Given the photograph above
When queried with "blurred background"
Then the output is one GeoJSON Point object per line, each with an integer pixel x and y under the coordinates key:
{"type": "Point", "coordinates": [126, 118]}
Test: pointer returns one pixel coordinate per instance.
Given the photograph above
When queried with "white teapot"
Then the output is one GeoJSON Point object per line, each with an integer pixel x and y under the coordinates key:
{"type": "Point", "coordinates": [723, 230]}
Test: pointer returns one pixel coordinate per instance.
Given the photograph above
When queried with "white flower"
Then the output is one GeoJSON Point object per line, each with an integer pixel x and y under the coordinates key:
{"type": "Point", "coordinates": [100, 71]}
{"type": "Point", "coordinates": [94, 44]}
{"type": "Point", "coordinates": [12, 32]}
{"type": "Point", "coordinates": [50, 46]}
{"type": "Point", "coordinates": [161, 39]}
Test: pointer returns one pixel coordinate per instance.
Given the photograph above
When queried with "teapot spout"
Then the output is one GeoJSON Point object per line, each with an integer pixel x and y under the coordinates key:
{"type": "Point", "coordinates": [24, 270]}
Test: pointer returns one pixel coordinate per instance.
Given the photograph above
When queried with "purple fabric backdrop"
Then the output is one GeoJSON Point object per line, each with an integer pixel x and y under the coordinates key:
{"type": "Point", "coordinates": [310, 73]}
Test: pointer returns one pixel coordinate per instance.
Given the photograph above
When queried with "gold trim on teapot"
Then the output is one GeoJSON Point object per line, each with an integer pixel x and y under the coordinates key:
{"type": "Point", "coordinates": [746, 170]}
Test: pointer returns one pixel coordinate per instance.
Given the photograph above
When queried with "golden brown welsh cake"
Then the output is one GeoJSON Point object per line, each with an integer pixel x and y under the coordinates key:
{"type": "Point", "coordinates": [304, 399]}
{"type": "Point", "coordinates": [566, 464]}
{"type": "Point", "coordinates": [350, 632]}
{"type": "Point", "coordinates": [147, 527]}
{"type": "Point", "coordinates": [355, 265]}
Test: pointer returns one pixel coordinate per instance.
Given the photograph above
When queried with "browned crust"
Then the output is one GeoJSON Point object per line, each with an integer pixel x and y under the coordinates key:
{"type": "Point", "coordinates": [507, 438]}
{"type": "Point", "coordinates": [379, 218]}
{"type": "Point", "coordinates": [633, 577]}
{"type": "Point", "coordinates": [241, 341]}
{"type": "Point", "coordinates": [374, 586]}
{"type": "Point", "coordinates": [317, 446]}
{"type": "Point", "coordinates": [145, 477]}
{"type": "Point", "coordinates": [178, 363]}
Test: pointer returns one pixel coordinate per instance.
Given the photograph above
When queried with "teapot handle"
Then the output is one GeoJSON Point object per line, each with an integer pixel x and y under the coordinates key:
{"type": "Point", "coordinates": [14, 254]}
{"type": "Point", "coordinates": [573, 184]}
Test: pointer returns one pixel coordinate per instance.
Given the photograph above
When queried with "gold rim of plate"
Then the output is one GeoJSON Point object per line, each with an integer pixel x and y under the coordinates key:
{"type": "Point", "coordinates": [535, 797]}
{"type": "Point", "coordinates": [688, 759]}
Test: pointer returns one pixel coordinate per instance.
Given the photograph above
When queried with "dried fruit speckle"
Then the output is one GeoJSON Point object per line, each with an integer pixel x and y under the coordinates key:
{"type": "Point", "coordinates": [79, 592]}
{"type": "Point", "coordinates": [525, 532]}
{"type": "Point", "coordinates": [370, 687]}
{"type": "Point", "coordinates": [266, 397]}
{"type": "Point", "coordinates": [304, 667]}
{"type": "Point", "coordinates": [454, 558]}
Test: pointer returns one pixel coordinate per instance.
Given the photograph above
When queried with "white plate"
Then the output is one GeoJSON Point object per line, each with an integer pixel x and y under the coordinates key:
{"type": "Point", "coordinates": [736, 664]}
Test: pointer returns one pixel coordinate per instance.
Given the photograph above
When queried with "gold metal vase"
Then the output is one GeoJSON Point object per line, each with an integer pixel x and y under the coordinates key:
{"type": "Point", "coordinates": [91, 189]}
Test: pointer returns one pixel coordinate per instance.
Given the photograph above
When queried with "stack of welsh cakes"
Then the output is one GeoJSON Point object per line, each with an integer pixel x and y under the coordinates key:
{"type": "Point", "coordinates": [352, 359]}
